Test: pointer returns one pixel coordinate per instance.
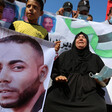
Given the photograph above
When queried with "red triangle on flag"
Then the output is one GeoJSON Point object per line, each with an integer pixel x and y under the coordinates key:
{"type": "Point", "coordinates": [109, 5]}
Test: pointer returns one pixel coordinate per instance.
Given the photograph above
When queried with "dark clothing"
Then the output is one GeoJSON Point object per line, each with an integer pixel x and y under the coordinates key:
{"type": "Point", "coordinates": [38, 104]}
{"type": "Point", "coordinates": [109, 108]}
{"type": "Point", "coordinates": [81, 93]}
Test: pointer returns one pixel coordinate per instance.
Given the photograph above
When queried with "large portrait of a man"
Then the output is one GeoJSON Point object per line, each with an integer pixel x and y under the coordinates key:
{"type": "Point", "coordinates": [22, 74]}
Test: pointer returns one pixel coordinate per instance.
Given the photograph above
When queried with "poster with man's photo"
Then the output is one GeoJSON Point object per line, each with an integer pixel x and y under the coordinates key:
{"type": "Point", "coordinates": [12, 12]}
{"type": "Point", "coordinates": [48, 21]}
{"type": "Point", "coordinates": [25, 68]}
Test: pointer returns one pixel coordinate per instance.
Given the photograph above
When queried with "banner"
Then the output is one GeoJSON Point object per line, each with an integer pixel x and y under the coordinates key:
{"type": "Point", "coordinates": [99, 33]}
{"type": "Point", "coordinates": [25, 68]}
{"type": "Point", "coordinates": [64, 29]}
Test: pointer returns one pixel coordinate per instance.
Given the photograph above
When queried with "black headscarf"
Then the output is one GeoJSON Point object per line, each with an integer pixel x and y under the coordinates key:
{"type": "Point", "coordinates": [77, 59]}
{"type": "Point", "coordinates": [72, 61]}
{"type": "Point", "coordinates": [76, 64]}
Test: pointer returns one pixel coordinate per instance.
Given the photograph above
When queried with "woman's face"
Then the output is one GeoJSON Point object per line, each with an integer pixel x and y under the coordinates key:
{"type": "Point", "coordinates": [81, 42]}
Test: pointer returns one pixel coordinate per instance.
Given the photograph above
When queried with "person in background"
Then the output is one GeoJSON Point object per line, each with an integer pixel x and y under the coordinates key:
{"type": "Point", "coordinates": [22, 74]}
{"type": "Point", "coordinates": [34, 9]}
{"type": "Point", "coordinates": [82, 10]}
{"type": "Point", "coordinates": [73, 90]}
{"type": "Point", "coordinates": [66, 10]}
{"type": "Point", "coordinates": [90, 17]}
{"type": "Point", "coordinates": [2, 5]}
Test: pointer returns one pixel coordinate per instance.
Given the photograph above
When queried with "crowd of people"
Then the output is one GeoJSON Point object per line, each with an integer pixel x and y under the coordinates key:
{"type": "Point", "coordinates": [72, 89]}
{"type": "Point", "coordinates": [81, 13]}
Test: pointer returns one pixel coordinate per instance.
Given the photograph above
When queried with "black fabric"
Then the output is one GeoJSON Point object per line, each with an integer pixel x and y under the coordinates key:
{"type": "Point", "coordinates": [46, 38]}
{"type": "Point", "coordinates": [12, 27]}
{"type": "Point", "coordinates": [81, 93]}
{"type": "Point", "coordinates": [38, 104]}
{"type": "Point", "coordinates": [109, 108]}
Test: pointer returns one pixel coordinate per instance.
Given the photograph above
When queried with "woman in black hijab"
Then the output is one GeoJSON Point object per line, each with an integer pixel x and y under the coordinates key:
{"type": "Point", "coordinates": [73, 90]}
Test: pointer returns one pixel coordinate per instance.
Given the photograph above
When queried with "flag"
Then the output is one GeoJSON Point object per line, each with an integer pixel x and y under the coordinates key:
{"type": "Point", "coordinates": [99, 33]}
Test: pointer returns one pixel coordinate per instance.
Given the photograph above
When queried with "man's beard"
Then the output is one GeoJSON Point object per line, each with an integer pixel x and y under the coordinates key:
{"type": "Point", "coordinates": [24, 97]}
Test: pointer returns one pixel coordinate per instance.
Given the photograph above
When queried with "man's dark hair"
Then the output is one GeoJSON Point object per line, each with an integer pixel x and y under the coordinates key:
{"type": "Point", "coordinates": [91, 17]}
{"type": "Point", "coordinates": [2, 3]}
{"type": "Point", "coordinates": [21, 39]}
{"type": "Point", "coordinates": [40, 2]}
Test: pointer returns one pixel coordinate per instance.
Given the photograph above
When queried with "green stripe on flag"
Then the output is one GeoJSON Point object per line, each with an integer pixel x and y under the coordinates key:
{"type": "Point", "coordinates": [88, 29]}
{"type": "Point", "coordinates": [94, 42]}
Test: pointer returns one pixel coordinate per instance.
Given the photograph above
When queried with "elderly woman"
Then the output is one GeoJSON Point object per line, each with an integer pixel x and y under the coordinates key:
{"type": "Point", "coordinates": [73, 90]}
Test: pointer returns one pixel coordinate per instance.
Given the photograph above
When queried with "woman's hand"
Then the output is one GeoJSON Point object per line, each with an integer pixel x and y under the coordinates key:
{"type": "Point", "coordinates": [102, 83]}
{"type": "Point", "coordinates": [57, 45]}
{"type": "Point", "coordinates": [61, 78]}
{"type": "Point", "coordinates": [106, 80]}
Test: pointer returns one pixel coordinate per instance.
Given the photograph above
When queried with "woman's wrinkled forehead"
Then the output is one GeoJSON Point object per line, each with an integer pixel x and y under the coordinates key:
{"type": "Point", "coordinates": [81, 33]}
{"type": "Point", "coordinates": [86, 37]}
